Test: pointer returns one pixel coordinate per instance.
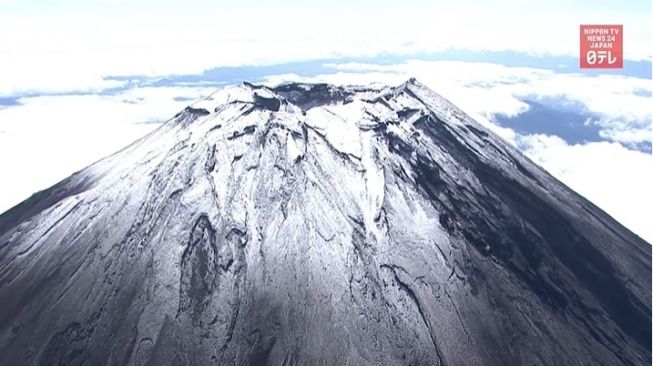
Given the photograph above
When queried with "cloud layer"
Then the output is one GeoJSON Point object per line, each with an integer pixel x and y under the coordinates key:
{"type": "Point", "coordinates": [71, 45]}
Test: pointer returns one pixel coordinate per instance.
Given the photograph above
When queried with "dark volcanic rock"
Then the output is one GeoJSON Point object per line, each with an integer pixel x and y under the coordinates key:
{"type": "Point", "coordinates": [271, 104]}
{"type": "Point", "coordinates": [314, 224]}
{"type": "Point", "coordinates": [307, 96]}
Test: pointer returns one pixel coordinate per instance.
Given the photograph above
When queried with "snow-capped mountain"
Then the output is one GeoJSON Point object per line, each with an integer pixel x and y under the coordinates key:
{"type": "Point", "coordinates": [310, 224]}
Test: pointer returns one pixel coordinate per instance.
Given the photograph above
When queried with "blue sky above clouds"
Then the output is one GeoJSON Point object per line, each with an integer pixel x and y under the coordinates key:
{"type": "Point", "coordinates": [81, 79]}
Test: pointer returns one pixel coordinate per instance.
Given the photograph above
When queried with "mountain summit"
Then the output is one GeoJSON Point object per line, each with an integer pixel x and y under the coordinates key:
{"type": "Point", "coordinates": [311, 224]}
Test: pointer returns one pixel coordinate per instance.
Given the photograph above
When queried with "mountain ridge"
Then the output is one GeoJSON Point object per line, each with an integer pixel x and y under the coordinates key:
{"type": "Point", "coordinates": [314, 224]}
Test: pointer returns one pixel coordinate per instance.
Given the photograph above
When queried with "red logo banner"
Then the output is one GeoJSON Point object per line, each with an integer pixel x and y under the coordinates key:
{"type": "Point", "coordinates": [601, 46]}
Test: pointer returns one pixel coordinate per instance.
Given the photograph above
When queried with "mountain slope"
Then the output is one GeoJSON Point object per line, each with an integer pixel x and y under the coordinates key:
{"type": "Point", "coordinates": [314, 224]}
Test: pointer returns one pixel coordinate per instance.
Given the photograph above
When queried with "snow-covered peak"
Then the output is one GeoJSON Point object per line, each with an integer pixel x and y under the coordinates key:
{"type": "Point", "coordinates": [242, 93]}
{"type": "Point", "coordinates": [301, 95]}
{"type": "Point", "coordinates": [318, 224]}
{"type": "Point", "coordinates": [354, 104]}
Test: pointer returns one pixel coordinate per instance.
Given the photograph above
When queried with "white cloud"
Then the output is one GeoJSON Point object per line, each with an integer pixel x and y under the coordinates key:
{"type": "Point", "coordinates": [70, 45]}
{"type": "Point", "coordinates": [45, 139]}
{"type": "Point", "coordinates": [612, 177]}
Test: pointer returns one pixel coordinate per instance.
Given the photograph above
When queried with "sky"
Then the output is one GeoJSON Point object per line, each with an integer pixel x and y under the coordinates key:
{"type": "Point", "coordinates": [57, 45]}
{"type": "Point", "coordinates": [80, 79]}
